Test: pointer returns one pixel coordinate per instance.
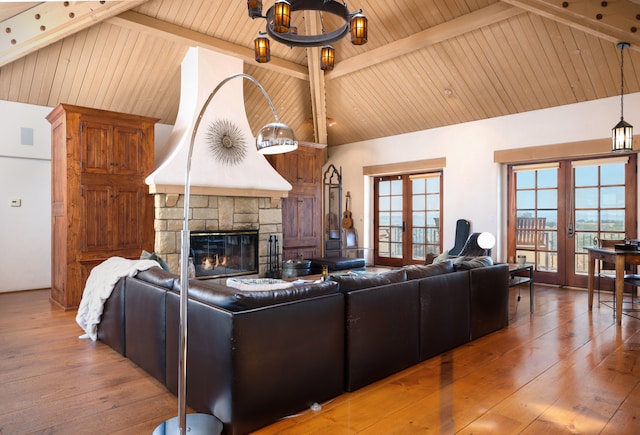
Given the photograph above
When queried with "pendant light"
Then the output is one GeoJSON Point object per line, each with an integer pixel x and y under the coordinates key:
{"type": "Point", "coordinates": [622, 133]}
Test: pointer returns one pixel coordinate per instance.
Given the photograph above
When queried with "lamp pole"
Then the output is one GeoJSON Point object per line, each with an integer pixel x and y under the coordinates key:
{"type": "Point", "coordinates": [274, 137]}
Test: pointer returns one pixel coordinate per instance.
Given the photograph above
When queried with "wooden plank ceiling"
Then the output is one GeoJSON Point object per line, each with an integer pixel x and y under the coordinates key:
{"type": "Point", "coordinates": [427, 64]}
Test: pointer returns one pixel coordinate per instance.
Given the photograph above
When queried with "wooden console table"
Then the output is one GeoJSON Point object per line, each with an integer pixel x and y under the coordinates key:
{"type": "Point", "coordinates": [619, 258]}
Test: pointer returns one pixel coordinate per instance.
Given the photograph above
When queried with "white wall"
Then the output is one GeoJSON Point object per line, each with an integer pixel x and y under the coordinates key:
{"type": "Point", "coordinates": [474, 186]}
{"type": "Point", "coordinates": [472, 182]}
{"type": "Point", "coordinates": [25, 174]}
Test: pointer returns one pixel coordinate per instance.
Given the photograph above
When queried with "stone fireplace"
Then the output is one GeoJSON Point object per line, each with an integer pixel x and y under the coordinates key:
{"type": "Point", "coordinates": [229, 192]}
{"type": "Point", "coordinates": [215, 214]}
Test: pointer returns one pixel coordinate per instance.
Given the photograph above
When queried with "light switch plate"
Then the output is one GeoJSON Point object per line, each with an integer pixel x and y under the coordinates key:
{"type": "Point", "coordinates": [15, 203]}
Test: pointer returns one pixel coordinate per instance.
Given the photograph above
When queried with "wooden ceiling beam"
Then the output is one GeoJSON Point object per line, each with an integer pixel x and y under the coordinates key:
{"type": "Point", "coordinates": [181, 35]}
{"type": "Point", "coordinates": [49, 22]}
{"type": "Point", "coordinates": [475, 20]}
{"type": "Point", "coordinates": [316, 81]}
{"type": "Point", "coordinates": [614, 22]}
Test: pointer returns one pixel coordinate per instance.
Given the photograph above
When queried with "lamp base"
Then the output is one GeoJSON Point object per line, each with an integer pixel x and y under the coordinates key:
{"type": "Point", "coordinates": [197, 424]}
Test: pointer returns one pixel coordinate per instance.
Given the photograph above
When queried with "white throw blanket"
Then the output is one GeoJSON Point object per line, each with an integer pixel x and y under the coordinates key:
{"type": "Point", "coordinates": [100, 284]}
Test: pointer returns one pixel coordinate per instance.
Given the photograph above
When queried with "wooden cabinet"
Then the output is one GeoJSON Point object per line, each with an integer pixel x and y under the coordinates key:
{"type": "Point", "coordinates": [302, 209]}
{"type": "Point", "coordinates": [100, 204]}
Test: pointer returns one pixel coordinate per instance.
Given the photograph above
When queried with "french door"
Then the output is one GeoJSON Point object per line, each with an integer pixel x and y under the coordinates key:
{"type": "Point", "coordinates": [408, 212]}
{"type": "Point", "coordinates": [558, 209]}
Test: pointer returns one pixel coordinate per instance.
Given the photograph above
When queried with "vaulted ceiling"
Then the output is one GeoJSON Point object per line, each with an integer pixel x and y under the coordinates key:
{"type": "Point", "coordinates": [427, 63]}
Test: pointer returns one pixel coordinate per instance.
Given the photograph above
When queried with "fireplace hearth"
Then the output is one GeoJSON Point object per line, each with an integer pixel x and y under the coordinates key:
{"type": "Point", "coordinates": [218, 254]}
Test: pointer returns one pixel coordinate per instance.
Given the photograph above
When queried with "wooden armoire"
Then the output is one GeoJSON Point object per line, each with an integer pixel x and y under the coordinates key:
{"type": "Point", "coordinates": [302, 209]}
{"type": "Point", "coordinates": [101, 206]}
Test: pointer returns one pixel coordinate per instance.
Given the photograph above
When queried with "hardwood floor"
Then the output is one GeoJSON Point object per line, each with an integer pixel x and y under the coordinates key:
{"type": "Point", "coordinates": [559, 370]}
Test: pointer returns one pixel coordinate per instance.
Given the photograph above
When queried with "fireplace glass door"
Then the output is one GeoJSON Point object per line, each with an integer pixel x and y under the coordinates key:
{"type": "Point", "coordinates": [218, 254]}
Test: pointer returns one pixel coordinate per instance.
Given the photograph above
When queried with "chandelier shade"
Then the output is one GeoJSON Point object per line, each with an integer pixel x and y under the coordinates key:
{"type": "Point", "coordinates": [255, 8]}
{"type": "Point", "coordinates": [622, 133]}
{"type": "Point", "coordinates": [281, 16]}
{"type": "Point", "coordinates": [262, 49]}
{"type": "Point", "coordinates": [359, 29]}
{"type": "Point", "coordinates": [327, 58]}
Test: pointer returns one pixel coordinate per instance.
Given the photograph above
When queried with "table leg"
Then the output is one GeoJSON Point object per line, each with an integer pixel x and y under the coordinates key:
{"type": "Point", "coordinates": [591, 268]}
{"type": "Point", "coordinates": [531, 289]}
{"type": "Point", "coordinates": [620, 262]}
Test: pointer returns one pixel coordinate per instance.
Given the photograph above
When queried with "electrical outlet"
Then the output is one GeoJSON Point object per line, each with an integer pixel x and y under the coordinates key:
{"type": "Point", "coordinates": [15, 203]}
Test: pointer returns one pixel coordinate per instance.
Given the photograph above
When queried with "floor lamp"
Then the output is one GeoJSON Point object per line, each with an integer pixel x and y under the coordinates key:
{"type": "Point", "coordinates": [273, 138]}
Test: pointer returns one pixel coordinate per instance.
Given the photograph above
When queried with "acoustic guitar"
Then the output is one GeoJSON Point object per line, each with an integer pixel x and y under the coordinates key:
{"type": "Point", "coordinates": [347, 219]}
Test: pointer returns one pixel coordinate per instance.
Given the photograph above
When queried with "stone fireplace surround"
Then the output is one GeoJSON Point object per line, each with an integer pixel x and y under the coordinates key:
{"type": "Point", "coordinates": [214, 213]}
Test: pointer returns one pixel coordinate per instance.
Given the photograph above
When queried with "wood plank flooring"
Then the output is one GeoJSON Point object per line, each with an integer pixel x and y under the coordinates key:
{"type": "Point", "coordinates": [559, 370]}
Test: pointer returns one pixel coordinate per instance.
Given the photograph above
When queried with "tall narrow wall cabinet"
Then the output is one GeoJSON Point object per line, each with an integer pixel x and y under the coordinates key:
{"type": "Point", "coordinates": [302, 209]}
{"type": "Point", "coordinates": [101, 206]}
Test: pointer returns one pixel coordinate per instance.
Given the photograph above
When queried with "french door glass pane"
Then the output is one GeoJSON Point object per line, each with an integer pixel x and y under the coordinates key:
{"type": "Point", "coordinates": [425, 231]}
{"type": "Point", "coordinates": [390, 222]}
{"type": "Point", "coordinates": [599, 193]}
{"type": "Point", "coordinates": [537, 217]}
{"type": "Point", "coordinates": [612, 197]}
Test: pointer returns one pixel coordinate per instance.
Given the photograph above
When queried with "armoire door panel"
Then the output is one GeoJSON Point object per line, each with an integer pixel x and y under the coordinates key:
{"type": "Point", "coordinates": [128, 213]}
{"type": "Point", "coordinates": [307, 217]}
{"type": "Point", "coordinates": [290, 222]}
{"type": "Point", "coordinates": [307, 167]}
{"type": "Point", "coordinates": [97, 231]}
{"type": "Point", "coordinates": [95, 140]}
{"type": "Point", "coordinates": [126, 151]}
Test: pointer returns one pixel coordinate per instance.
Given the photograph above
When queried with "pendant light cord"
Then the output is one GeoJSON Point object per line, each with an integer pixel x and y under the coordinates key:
{"type": "Point", "coordinates": [621, 82]}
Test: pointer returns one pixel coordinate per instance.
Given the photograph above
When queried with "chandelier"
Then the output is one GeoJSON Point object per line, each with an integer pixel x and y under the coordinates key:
{"type": "Point", "coordinates": [279, 27]}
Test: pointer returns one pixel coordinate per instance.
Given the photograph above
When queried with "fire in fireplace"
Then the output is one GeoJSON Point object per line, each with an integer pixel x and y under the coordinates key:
{"type": "Point", "coordinates": [218, 254]}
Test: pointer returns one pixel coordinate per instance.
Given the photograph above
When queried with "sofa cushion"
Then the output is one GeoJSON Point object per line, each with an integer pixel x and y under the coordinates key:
{"type": "Point", "coordinates": [356, 281]}
{"type": "Point", "coordinates": [473, 263]}
{"type": "Point", "coordinates": [415, 271]}
{"type": "Point", "coordinates": [218, 294]}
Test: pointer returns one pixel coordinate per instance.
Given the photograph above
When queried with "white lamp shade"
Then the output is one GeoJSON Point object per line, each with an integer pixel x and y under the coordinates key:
{"type": "Point", "coordinates": [276, 138]}
{"type": "Point", "coordinates": [486, 240]}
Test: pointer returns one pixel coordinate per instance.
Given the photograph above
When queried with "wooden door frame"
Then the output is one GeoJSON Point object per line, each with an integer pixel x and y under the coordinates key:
{"type": "Point", "coordinates": [407, 220]}
{"type": "Point", "coordinates": [566, 265]}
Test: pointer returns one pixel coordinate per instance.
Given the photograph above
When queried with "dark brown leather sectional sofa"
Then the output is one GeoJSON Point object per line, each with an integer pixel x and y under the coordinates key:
{"type": "Point", "coordinates": [257, 356]}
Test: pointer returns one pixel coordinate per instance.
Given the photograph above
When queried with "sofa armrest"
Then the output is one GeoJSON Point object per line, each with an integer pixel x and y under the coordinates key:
{"type": "Point", "coordinates": [145, 319]}
{"type": "Point", "coordinates": [111, 326]}
{"type": "Point", "coordinates": [489, 288]}
{"type": "Point", "coordinates": [157, 276]}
